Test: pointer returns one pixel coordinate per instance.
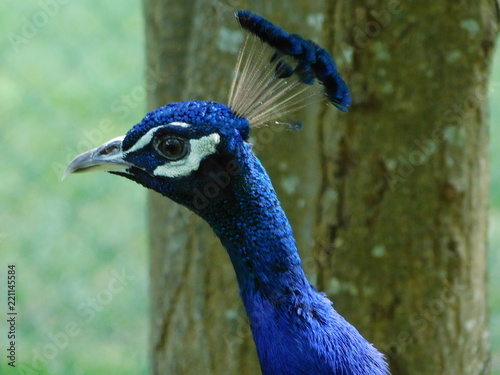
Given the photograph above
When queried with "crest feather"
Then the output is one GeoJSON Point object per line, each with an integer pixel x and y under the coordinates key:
{"type": "Point", "coordinates": [278, 73]}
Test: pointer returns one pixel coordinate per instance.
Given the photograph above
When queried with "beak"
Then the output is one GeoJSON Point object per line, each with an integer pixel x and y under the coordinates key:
{"type": "Point", "coordinates": [107, 157]}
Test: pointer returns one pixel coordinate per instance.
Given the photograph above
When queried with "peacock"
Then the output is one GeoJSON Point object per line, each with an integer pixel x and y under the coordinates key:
{"type": "Point", "coordinates": [198, 154]}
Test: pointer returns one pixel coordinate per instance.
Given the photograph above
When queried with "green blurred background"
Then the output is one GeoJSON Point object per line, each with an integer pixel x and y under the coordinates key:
{"type": "Point", "coordinates": [72, 78]}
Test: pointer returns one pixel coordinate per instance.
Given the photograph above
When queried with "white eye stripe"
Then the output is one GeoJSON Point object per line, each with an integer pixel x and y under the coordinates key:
{"type": "Point", "coordinates": [181, 124]}
{"type": "Point", "coordinates": [146, 138]}
{"type": "Point", "coordinates": [200, 149]}
{"type": "Point", "coordinates": [143, 141]}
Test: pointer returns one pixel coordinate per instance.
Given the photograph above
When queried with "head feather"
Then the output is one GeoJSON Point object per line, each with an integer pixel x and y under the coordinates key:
{"type": "Point", "coordinates": [278, 73]}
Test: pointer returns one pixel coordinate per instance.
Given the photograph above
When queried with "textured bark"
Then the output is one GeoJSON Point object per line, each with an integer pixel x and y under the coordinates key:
{"type": "Point", "coordinates": [388, 202]}
{"type": "Point", "coordinates": [403, 207]}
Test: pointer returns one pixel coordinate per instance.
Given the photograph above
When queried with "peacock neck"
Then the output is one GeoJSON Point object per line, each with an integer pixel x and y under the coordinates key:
{"type": "Point", "coordinates": [295, 328]}
{"type": "Point", "coordinates": [256, 233]}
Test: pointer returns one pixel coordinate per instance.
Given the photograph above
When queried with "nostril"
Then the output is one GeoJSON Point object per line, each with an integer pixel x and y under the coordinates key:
{"type": "Point", "coordinates": [109, 149]}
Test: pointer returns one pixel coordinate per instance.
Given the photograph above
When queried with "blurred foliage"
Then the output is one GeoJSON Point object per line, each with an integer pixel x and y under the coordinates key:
{"type": "Point", "coordinates": [79, 246]}
{"type": "Point", "coordinates": [72, 78]}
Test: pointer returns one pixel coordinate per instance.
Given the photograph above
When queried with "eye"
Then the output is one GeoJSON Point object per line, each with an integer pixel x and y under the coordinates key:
{"type": "Point", "coordinates": [172, 148]}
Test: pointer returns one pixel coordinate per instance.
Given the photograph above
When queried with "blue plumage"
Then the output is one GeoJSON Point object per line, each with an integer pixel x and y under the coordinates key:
{"type": "Point", "coordinates": [196, 154]}
{"type": "Point", "coordinates": [313, 61]}
{"type": "Point", "coordinates": [202, 113]}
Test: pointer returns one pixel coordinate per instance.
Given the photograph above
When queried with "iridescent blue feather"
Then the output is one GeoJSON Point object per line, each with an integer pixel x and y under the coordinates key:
{"type": "Point", "coordinates": [313, 62]}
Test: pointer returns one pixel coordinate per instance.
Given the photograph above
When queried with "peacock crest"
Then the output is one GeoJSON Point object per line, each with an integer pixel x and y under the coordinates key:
{"type": "Point", "coordinates": [278, 73]}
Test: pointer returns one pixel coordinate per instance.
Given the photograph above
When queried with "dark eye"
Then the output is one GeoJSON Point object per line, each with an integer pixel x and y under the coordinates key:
{"type": "Point", "coordinates": [172, 148]}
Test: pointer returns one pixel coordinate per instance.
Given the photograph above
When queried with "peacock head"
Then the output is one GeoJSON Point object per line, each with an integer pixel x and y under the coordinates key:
{"type": "Point", "coordinates": [183, 150]}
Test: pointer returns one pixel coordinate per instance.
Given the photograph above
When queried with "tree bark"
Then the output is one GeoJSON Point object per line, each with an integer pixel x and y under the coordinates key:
{"type": "Point", "coordinates": [402, 219]}
{"type": "Point", "coordinates": [388, 202]}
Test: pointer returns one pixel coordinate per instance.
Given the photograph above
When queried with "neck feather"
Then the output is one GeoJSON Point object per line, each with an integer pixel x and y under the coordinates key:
{"type": "Point", "coordinates": [256, 233]}
{"type": "Point", "coordinates": [296, 330]}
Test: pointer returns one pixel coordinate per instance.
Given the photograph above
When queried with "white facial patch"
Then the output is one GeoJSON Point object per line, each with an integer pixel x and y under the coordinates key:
{"type": "Point", "coordinates": [200, 149]}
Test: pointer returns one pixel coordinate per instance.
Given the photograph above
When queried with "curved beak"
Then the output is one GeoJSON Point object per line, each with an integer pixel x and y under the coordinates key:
{"type": "Point", "coordinates": [107, 157]}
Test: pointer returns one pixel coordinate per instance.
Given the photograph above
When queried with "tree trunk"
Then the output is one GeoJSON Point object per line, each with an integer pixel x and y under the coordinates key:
{"type": "Point", "coordinates": [388, 202]}
{"type": "Point", "coordinates": [402, 218]}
